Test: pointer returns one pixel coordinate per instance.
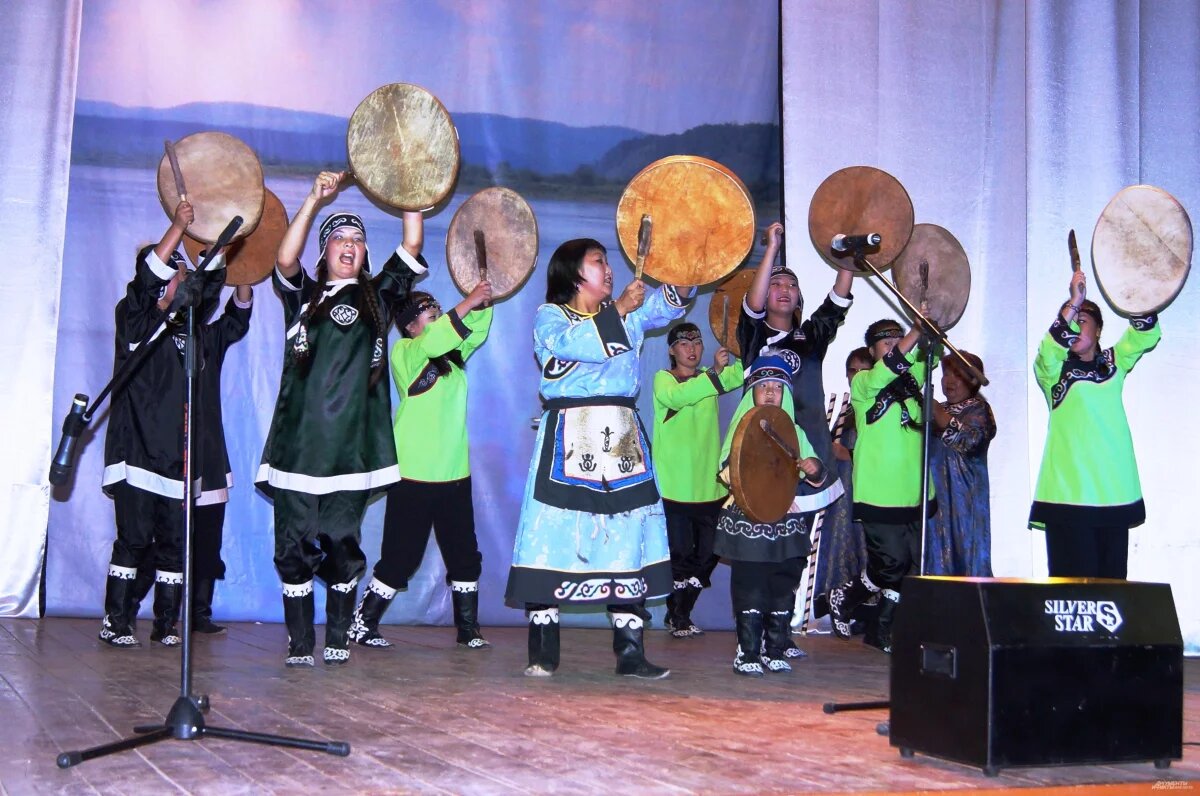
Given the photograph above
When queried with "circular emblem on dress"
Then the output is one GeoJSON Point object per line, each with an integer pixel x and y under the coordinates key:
{"type": "Point", "coordinates": [343, 314]}
{"type": "Point", "coordinates": [793, 360]}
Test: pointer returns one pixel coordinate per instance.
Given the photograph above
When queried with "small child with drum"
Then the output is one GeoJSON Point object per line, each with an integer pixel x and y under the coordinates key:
{"type": "Point", "coordinates": [765, 559]}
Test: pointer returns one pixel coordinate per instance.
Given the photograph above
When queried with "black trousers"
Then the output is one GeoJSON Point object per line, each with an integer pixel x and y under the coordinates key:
{"type": "Point", "coordinates": [893, 551]}
{"type": "Point", "coordinates": [764, 586]}
{"type": "Point", "coordinates": [413, 509]}
{"type": "Point", "coordinates": [319, 535]}
{"type": "Point", "coordinates": [691, 528]}
{"type": "Point", "coordinates": [149, 529]}
{"type": "Point", "coordinates": [1073, 552]}
{"type": "Point", "coordinates": [207, 531]}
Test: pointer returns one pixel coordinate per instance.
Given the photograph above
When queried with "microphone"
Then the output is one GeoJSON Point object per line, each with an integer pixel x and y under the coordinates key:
{"type": "Point", "coordinates": [64, 457]}
{"type": "Point", "coordinates": [227, 234]}
{"type": "Point", "coordinates": [848, 243]}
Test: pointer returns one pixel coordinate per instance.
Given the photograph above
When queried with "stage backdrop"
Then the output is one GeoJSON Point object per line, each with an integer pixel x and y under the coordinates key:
{"type": "Point", "coordinates": [1009, 124]}
{"type": "Point", "coordinates": [562, 102]}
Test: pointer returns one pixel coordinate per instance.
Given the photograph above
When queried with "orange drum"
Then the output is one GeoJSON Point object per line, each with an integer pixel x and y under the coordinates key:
{"type": "Point", "coordinates": [250, 260]}
{"type": "Point", "coordinates": [701, 214]}
{"type": "Point", "coordinates": [501, 222]}
{"type": "Point", "coordinates": [946, 284]}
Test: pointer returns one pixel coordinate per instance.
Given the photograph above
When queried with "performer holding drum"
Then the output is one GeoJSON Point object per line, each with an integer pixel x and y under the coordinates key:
{"type": "Point", "coordinates": [330, 446]}
{"type": "Point", "coordinates": [1088, 493]}
{"type": "Point", "coordinates": [771, 317]}
{"type": "Point", "coordinates": [144, 446]}
{"type": "Point", "coordinates": [428, 364]}
{"type": "Point", "coordinates": [592, 530]}
{"type": "Point", "coordinates": [765, 553]}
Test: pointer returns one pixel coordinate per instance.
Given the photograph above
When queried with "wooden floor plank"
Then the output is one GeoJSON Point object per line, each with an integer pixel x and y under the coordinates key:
{"type": "Point", "coordinates": [429, 717]}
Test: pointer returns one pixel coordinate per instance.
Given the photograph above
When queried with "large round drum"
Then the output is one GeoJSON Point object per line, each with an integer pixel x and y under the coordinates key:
{"type": "Point", "coordinates": [762, 476]}
{"type": "Point", "coordinates": [507, 229]}
{"type": "Point", "coordinates": [1142, 249]}
{"type": "Point", "coordinates": [403, 147]}
{"type": "Point", "coordinates": [223, 179]}
{"type": "Point", "coordinates": [725, 307]}
{"type": "Point", "coordinates": [249, 260]}
{"type": "Point", "coordinates": [859, 200]}
{"type": "Point", "coordinates": [702, 219]}
{"type": "Point", "coordinates": [947, 283]}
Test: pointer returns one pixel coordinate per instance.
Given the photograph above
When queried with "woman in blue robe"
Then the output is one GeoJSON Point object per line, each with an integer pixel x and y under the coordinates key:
{"type": "Point", "coordinates": [592, 529]}
{"type": "Point", "coordinates": [960, 534]}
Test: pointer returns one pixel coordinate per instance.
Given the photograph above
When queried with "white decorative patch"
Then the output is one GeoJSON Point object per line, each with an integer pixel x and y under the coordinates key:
{"type": "Point", "coordinates": [543, 617]}
{"type": "Point", "coordinates": [299, 660]}
{"type": "Point", "coordinates": [124, 573]}
{"type": "Point", "coordinates": [345, 588]}
{"type": "Point", "coordinates": [792, 359]}
{"type": "Point", "coordinates": [382, 589]}
{"type": "Point", "coordinates": [335, 655]}
{"type": "Point", "coordinates": [343, 314]}
{"type": "Point", "coordinates": [463, 586]}
{"type": "Point", "coordinates": [297, 589]}
{"type": "Point", "coordinates": [631, 621]}
{"type": "Point", "coordinates": [169, 578]}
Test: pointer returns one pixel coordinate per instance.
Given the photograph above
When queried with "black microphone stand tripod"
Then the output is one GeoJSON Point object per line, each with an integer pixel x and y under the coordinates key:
{"type": "Point", "coordinates": [185, 720]}
{"type": "Point", "coordinates": [933, 336]}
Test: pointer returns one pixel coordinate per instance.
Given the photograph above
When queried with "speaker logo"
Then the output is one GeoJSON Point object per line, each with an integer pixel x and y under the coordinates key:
{"type": "Point", "coordinates": [1082, 616]}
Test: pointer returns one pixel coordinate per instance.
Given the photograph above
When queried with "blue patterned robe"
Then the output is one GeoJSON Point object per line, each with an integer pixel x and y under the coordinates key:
{"type": "Point", "coordinates": [960, 533]}
{"type": "Point", "coordinates": [592, 529]}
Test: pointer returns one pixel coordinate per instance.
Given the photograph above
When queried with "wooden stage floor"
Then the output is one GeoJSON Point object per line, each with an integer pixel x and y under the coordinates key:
{"type": "Point", "coordinates": [427, 717]}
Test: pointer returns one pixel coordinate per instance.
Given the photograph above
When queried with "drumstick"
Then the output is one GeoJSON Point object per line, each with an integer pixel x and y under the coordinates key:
{"type": "Point", "coordinates": [778, 440]}
{"type": "Point", "coordinates": [1075, 267]}
{"type": "Point", "coordinates": [179, 185]}
{"type": "Point", "coordinates": [481, 255]}
{"type": "Point", "coordinates": [725, 320]}
{"type": "Point", "coordinates": [643, 248]}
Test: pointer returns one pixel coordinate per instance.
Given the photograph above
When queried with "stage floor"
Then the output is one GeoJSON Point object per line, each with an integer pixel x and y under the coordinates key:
{"type": "Point", "coordinates": [428, 717]}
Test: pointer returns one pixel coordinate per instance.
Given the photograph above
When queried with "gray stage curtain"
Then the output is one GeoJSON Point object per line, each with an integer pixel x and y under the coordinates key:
{"type": "Point", "coordinates": [1008, 124]}
{"type": "Point", "coordinates": [39, 45]}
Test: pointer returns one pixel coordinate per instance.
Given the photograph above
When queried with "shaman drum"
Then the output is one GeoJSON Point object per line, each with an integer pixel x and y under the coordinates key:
{"type": "Point", "coordinates": [946, 283]}
{"type": "Point", "coordinates": [403, 147]}
{"type": "Point", "coordinates": [763, 475]}
{"type": "Point", "coordinates": [725, 307]}
{"type": "Point", "coordinates": [224, 179]}
{"type": "Point", "coordinates": [859, 200]}
{"type": "Point", "coordinates": [249, 260]}
{"type": "Point", "coordinates": [493, 235]}
{"type": "Point", "coordinates": [1142, 250]}
{"type": "Point", "coordinates": [702, 217]}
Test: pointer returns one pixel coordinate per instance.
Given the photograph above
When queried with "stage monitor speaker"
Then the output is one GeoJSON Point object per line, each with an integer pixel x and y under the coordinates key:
{"type": "Point", "coordinates": [1001, 672]}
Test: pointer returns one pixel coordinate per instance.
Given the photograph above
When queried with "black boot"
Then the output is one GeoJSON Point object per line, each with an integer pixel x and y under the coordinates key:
{"type": "Point", "coordinates": [202, 597]}
{"type": "Point", "coordinates": [339, 613]}
{"type": "Point", "coordinates": [465, 597]}
{"type": "Point", "coordinates": [117, 628]}
{"type": "Point", "coordinates": [845, 598]}
{"type": "Point", "coordinates": [630, 650]}
{"type": "Point", "coordinates": [141, 587]}
{"type": "Point", "coordinates": [677, 623]}
{"type": "Point", "coordinates": [749, 635]}
{"type": "Point", "coordinates": [168, 591]}
{"type": "Point", "coordinates": [298, 613]}
{"type": "Point", "coordinates": [364, 629]}
{"type": "Point", "coordinates": [543, 641]}
{"type": "Point", "coordinates": [779, 642]}
{"type": "Point", "coordinates": [881, 638]}
{"type": "Point", "coordinates": [687, 601]}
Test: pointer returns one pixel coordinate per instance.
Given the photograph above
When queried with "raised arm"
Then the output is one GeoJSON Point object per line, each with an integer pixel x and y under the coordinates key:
{"type": "Point", "coordinates": [756, 296]}
{"type": "Point", "coordinates": [324, 187]}
{"type": "Point", "coordinates": [183, 218]}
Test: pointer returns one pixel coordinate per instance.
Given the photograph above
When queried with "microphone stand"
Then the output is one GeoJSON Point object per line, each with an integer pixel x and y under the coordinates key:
{"type": "Point", "coordinates": [932, 337]}
{"type": "Point", "coordinates": [185, 720]}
